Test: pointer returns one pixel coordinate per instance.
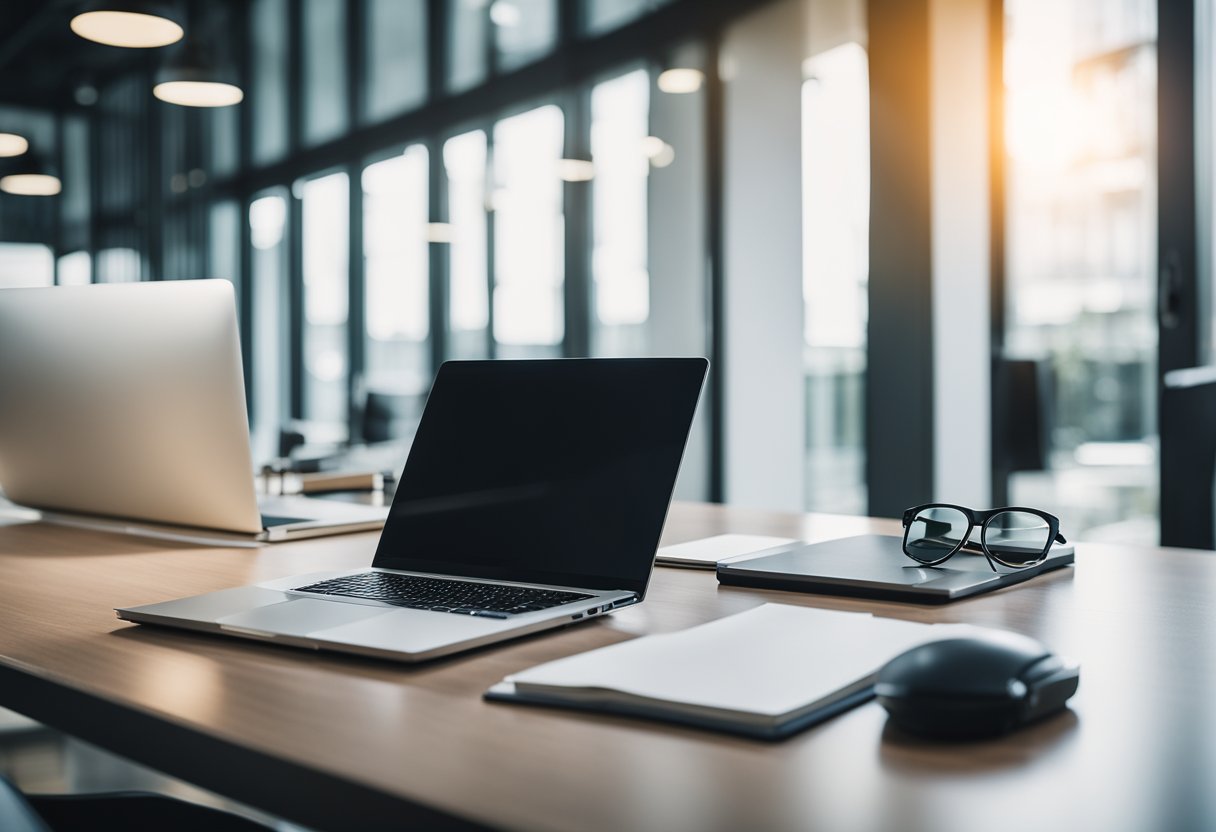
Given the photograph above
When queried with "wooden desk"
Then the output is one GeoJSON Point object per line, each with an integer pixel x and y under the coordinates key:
{"type": "Point", "coordinates": [342, 743]}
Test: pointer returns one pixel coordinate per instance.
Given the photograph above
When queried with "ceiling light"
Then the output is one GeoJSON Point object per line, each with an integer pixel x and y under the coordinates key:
{"type": "Point", "coordinates": [681, 80]}
{"type": "Point", "coordinates": [191, 79]}
{"type": "Point", "coordinates": [576, 170]}
{"type": "Point", "coordinates": [13, 145]}
{"type": "Point", "coordinates": [29, 176]}
{"type": "Point", "coordinates": [132, 25]}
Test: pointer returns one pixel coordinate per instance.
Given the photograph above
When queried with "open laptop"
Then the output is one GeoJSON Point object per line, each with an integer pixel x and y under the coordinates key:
{"type": "Point", "coordinates": [534, 496]}
{"type": "Point", "coordinates": [126, 402]}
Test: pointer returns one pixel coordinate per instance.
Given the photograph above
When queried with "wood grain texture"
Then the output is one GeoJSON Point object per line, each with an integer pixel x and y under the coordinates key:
{"type": "Point", "coordinates": [303, 734]}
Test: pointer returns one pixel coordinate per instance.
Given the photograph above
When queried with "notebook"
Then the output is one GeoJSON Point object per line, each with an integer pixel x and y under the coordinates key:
{"type": "Point", "coordinates": [766, 673]}
{"type": "Point", "coordinates": [708, 552]}
{"type": "Point", "coordinates": [875, 566]}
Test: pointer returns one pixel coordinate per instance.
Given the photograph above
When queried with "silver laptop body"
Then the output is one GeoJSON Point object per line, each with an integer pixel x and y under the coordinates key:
{"type": "Point", "coordinates": [542, 479]}
{"type": "Point", "coordinates": [126, 402]}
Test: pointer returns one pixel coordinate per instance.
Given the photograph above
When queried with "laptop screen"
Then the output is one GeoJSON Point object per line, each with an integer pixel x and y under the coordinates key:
{"type": "Point", "coordinates": [553, 471]}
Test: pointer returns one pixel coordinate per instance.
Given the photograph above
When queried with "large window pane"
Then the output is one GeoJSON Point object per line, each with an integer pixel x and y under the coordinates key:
{"type": "Point", "coordinates": [396, 57]}
{"type": "Point", "coordinates": [1080, 82]}
{"type": "Point", "coordinates": [621, 296]}
{"type": "Point", "coordinates": [268, 97]}
{"type": "Point", "coordinates": [603, 15]}
{"type": "Point", "coordinates": [269, 385]}
{"type": "Point", "coordinates": [528, 239]}
{"type": "Point", "coordinates": [464, 162]}
{"type": "Point", "coordinates": [467, 27]}
{"type": "Point", "coordinates": [835, 273]}
{"type": "Point", "coordinates": [75, 269]}
{"type": "Point", "coordinates": [524, 30]}
{"type": "Point", "coordinates": [326, 230]}
{"type": "Point", "coordinates": [395, 202]}
{"type": "Point", "coordinates": [325, 93]}
{"type": "Point", "coordinates": [25, 265]}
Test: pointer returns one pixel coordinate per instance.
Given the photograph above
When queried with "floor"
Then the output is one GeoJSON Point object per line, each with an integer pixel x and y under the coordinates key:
{"type": "Point", "coordinates": [40, 760]}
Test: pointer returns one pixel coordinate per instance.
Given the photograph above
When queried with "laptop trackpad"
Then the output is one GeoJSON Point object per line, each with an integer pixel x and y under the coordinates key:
{"type": "Point", "coordinates": [301, 616]}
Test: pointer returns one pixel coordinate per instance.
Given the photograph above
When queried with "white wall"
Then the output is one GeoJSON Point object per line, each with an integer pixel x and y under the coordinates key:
{"type": "Point", "coordinates": [960, 181]}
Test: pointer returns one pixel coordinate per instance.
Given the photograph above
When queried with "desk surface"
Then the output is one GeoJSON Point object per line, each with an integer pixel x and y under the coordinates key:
{"type": "Point", "coordinates": [335, 742]}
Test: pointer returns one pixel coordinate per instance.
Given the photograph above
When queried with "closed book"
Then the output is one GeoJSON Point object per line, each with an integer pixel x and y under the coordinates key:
{"type": "Point", "coordinates": [767, 673]}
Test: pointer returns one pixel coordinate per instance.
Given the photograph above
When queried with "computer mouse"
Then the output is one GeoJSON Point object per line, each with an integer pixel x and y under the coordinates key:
{"type": "Point", "coordinates": [980, 686]}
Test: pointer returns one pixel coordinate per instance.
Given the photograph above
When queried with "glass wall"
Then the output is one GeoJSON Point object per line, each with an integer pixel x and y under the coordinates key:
{"type": "Point", "coordinates": [464, 163]}
{"type": "Point", "coordinates": [529, 245]}
{"type": "Point", "coordinates": [24, 265]}
{"type": "Point", "coordinates": [268, 95]}
{"type": "Point", "coordinates": [325, 253]}
{"type": "Point", "coordinates": [397, 274]}
{"type": "Point", "coordinates": [622, 155]}
{"type": "Point", "coordinates": [395, 61]}
{"type": "Point", "coordinates": [835, 274]}
{"type": "Point", "coordinates": [269, 384]}
{"type": "Point", "coordinates": [1080, 80]}
{"type": "Point", "coordinates": [524, 30]}
{"type": "Point", "coordinates": [324, 61]}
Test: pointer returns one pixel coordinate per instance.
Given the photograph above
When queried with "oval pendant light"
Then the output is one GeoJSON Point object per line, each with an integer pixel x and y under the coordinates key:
{"type": "Point", "coordinates": [12, 145]}
{"type": "Point", "coordinates": [129, 24]}
{"type": "Point", "coordinates": [29, 176]}
{"type": "Point", "coordinates": [191, 79]}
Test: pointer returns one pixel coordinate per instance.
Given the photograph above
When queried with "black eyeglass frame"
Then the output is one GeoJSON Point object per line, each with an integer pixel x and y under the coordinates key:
{"type": "Point", "coordinates": [982, 519]}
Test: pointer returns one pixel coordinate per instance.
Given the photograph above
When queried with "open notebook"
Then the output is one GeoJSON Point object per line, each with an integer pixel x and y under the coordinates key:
{"type": "Point", "coordinates": [767, 673]}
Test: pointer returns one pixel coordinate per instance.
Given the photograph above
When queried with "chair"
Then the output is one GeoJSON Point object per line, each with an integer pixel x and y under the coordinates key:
{"type": "Point", "coordinates": [389, 415]}
{"type": "Point", "coordinates": [127, 811]}
{"type": "Point", "coordinates": [1188, 458]}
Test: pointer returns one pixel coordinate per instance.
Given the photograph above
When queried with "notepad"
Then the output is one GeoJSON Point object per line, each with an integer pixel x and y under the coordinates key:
{"type": "Point", "coordinates": [708, 552]}
{"type": "Point", "coordinates": [767, 673]}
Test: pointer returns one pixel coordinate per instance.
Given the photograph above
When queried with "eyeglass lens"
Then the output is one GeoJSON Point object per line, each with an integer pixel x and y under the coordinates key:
{"type": "Point", "coordinates": [1017, 538]}
{"type": "Point", "coordinates": [935, 532]}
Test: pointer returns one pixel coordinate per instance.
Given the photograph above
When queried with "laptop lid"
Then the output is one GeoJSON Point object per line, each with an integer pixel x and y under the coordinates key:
{"type": "Point", "coordinates": [552, 471]}
{"type": "Point", "coordinates": [126, 400]}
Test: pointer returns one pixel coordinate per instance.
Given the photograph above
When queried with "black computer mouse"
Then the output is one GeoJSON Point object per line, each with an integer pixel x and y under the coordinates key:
{"type": "Point", "coordinates": [981, 686]}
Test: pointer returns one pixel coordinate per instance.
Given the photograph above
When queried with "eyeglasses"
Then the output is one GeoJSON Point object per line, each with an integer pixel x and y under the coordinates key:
{"type": "Point", "coordinates": [1014, 536]}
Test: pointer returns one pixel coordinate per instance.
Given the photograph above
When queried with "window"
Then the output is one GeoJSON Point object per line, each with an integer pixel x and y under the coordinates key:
{"type": "Point", "coordinates": [223, 256]}
{"type": "Point", "coordinates": [75, 269]}
{"type": "Point", "coordinates": [528, 233]}
{"type": "Point", "coordinates": [325, 203]}
{"type": "Point", "coordinates": [324, 63]}
{"type": "Point", "coordinates": [268, 98]}
{"type": "Point", "coordinates": [464, 162]}
{"type": "Point", "coordinates": [396, 57]}
{"type": "Point", "coordinates": [467, 26]}
{"type": "Point", "coordinates": [835, 270]}
{"type": "Point", "coordinates": [395, 214]}
{"type": "Point", "coordinates": [269, 374]}
{"type": "Point", "coordinates": [1081, 218]}
{"type": "Point", "coordinates": [118, 265]}
{"type": "Point", "coordinates": [25, 265]}
{"type": "Point", "coordinates": [604, 15]}
{"type": "Point", "coordinates": [524, 30]}
{"type": "Point", "coordinates": [621, 152]}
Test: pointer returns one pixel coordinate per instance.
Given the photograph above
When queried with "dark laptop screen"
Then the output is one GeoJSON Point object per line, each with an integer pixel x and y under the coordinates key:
{"type": "Point", "coordinates": [556, 472]}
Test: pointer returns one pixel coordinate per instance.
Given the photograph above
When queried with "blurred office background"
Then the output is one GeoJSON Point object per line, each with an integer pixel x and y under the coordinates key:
{"type": "Point", "coordinates": [935, 249]}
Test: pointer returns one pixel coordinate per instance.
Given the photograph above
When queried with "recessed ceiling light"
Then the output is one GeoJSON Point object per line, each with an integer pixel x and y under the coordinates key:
{"type": "Point", "coordinates": [128, 28]}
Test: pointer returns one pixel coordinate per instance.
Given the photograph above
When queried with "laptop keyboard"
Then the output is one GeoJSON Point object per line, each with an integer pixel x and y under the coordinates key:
{"type": "Point", "coordinates": [442, 595]}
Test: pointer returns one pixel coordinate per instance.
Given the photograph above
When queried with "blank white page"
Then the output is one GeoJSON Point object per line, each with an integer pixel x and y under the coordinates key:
{"type": "Point", "coordinates": [770, 661]}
